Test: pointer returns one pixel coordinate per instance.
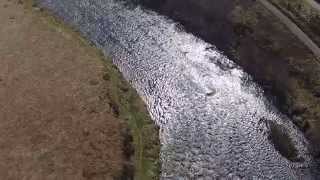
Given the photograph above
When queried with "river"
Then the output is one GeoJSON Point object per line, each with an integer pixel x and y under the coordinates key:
{"type": "Point", "coordinates": [214, 121]}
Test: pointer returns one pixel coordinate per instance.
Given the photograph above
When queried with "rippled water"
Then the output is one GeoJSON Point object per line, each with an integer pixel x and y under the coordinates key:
{"type": "Point", "coordinates": [211, 115]}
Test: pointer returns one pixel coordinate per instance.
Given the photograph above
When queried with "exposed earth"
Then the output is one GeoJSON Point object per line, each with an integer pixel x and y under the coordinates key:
{"type": "Point", "coordinates": [59, 118]}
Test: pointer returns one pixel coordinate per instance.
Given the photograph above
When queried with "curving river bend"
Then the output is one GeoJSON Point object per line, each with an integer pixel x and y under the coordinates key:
{"type": "Point", "coordinates": [214, 121]}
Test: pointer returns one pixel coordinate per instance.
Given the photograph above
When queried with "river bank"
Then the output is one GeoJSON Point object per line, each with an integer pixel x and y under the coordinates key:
{"type": "Point", "coordinates": [66, 111]}
{"type": "Point", "coordinates": [253, 37]}
{"type": "Point", "coordinates": [306, 14]}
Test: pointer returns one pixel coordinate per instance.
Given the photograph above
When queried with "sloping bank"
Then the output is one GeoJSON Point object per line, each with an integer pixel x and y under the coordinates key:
{"type": "Point", "coordinates": [141, 137]}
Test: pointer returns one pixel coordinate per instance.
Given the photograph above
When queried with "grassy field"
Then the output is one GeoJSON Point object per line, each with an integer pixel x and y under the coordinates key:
{"type": "Point", "coordinates": [143, 134]}
{"type": "Point", "coordinates": [125, 102]}
{"type": "Point", "coordinates": [141, 141]}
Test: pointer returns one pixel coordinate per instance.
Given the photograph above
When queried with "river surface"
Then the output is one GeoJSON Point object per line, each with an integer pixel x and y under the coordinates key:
{"type": "Point", "coordinates": [213, 119]}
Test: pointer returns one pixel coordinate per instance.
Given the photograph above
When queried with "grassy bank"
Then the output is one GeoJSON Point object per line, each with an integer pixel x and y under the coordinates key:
{"type": "Point", "coordinates": [303, 14]}
{"type": "Point", "coordinates": [141, 141]}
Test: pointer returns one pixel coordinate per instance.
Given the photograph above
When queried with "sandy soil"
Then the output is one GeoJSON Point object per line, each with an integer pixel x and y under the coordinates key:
{"type": "Point", "coordinates": [53, 125]}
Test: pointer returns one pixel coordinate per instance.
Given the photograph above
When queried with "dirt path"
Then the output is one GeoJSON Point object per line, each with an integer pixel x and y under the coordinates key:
{"type": "Point", "coordinates": [53, 122]}
{"type": "Point", "coordinates": [292, 27]}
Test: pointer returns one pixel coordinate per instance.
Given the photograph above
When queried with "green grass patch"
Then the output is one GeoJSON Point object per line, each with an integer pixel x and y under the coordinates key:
{"type": "Point", "coordinates": [127, 105]}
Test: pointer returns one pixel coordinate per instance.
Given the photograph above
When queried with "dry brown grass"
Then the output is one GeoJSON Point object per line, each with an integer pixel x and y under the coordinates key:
{"type": "Point", "coordinates": [57, 109]}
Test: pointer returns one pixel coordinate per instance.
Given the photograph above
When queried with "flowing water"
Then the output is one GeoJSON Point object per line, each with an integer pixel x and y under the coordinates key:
{"type": "Point", "coordinates": [214, 121]}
